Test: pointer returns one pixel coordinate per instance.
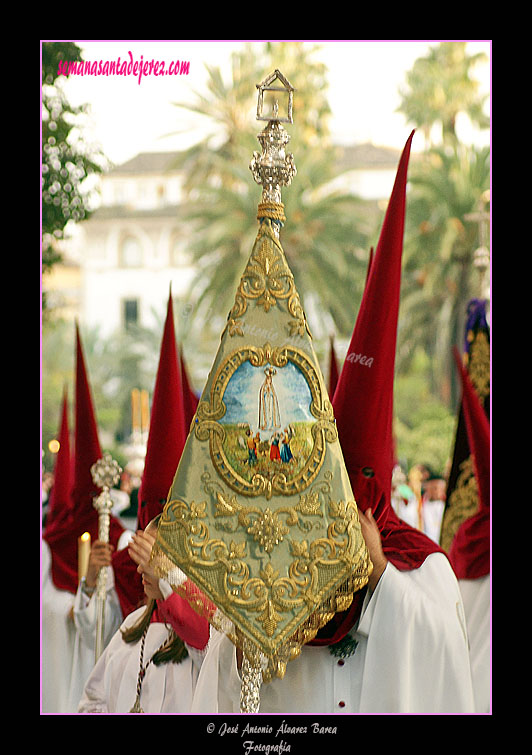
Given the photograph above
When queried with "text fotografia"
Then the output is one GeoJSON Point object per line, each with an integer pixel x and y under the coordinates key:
{"type": "Point", "coordinates": [126, 67]}
{"type": "Point", "coordinates": [250, 745]}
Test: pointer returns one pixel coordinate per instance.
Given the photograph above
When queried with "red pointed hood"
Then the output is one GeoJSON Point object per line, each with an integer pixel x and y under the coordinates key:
{"type": "Point", "coordinates": [470, 550]}
{"type": "Point", "coordinates": [87, 449]}
{"type": "Point", "coordinates": [363, 404]}
{"type": "Point", "coordinates": [60, 526]}
{"type": "Point", "coordinates": [60, 505]}
{"type": "Point", "coordinates": [190, 400]}
{"type": "Point", "coordinates": [168, 427]}
{"type": "Point", "coordinates": [363, 401]}
{"type": "Point", "coordinates": [83, 517]}
{"type": "Point", "coordinates": [166, 440]}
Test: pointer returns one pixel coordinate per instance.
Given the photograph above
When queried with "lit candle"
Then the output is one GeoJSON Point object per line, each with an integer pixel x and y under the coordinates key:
{"type": "Point", "coordinates": [84, 551]}
{"type": "Point", "coordinates": [145, 411]}
{"type": "Point", "coordinates": [135, 410]}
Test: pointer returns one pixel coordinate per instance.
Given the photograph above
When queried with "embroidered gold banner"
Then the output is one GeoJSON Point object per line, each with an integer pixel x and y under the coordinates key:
{"type": "Point", "coordinates": [261, 517]}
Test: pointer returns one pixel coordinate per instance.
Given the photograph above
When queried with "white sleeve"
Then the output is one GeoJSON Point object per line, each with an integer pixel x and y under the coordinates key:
{"type": "Point", "coordinates": [165, 588]}
{"type": "Point", "coordinates": [124, 539]}
{"type": "Point", "coordinates": [86, 613]}
{"type": "Point", "coordinates": [477, 604]}
{"type": "Point", "coordinates": [85, 606]}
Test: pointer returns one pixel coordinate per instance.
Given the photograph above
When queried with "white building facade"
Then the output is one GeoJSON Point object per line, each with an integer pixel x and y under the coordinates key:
{"type": "Point", "coordinates": [133, 247]}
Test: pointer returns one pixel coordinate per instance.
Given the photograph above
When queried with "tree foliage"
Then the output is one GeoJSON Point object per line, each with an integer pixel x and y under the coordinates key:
{"type": "Point", "coordinates": [66, 158]}
{"type": "Point", "coordinates": [440, 87]}
{"type": "Point", "coordinates": [448, 182]}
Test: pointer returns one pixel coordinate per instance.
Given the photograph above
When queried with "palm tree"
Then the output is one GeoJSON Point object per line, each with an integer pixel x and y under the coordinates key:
{"type": "Point", "coordinates": [440, 86]}
{"type": "Point", "coordinates": [325, 235]}
{"type": "Point", "coordinates": [439, 276]}
{"type": "Point", "coordinates": [446, 184]}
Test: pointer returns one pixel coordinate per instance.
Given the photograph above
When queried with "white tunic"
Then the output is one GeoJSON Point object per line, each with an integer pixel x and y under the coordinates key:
{"type": "Point", "coordinates": [85, 619]}
{"type": "Point", "coordinates": [57, 639]}
{"type": "Point", "coordinates": [476, 598]}
{"type": "Point", "coordinates": [112, 684]}
{"type": "Point", "coordinates": [412, 657]}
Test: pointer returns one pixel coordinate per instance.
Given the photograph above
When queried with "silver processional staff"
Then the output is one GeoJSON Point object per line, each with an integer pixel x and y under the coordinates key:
{"type": "Point", "coordinates": [105, 474]}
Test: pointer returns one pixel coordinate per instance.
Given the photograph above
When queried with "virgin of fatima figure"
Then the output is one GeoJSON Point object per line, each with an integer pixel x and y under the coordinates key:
{"type": "Point", "coordinates": [269, 417]}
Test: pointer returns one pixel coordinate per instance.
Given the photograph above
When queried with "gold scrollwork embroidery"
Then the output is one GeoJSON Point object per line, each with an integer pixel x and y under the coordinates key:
{"type": "Point", "coordinates": [267, 529]}
{"type": "Point", "coordinates": [272, 597]}
{"type": "Point", "coordinates": [463, 503]}
{"type": "Point", "coordinates": [267, 280]}
{"type": "Point", "coordinates": [265, 526]}
{"type": "Point", "coordinates": [479, 364]}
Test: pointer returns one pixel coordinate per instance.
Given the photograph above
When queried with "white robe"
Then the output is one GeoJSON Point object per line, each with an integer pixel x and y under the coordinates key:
{"type": "Point", "coordinates": [412, 657]}
{"type": "Point", "coordinates": [85, 620]}
{"type": "Point", "coordinates": [432, 514]}
{"type": "Point", "coordinates": [112, 684]}
{"type": "Point", "coordinates": [476, 598]}
{"type": "Point", "coordinates": [57, 639]}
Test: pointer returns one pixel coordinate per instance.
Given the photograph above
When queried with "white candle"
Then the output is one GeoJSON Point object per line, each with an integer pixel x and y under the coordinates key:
{"type": "Point", "coordinates": [84, 551]}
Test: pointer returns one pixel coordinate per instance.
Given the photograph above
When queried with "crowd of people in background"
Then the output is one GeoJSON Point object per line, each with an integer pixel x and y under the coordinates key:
{"type": "Point", "coordinates": [419, 498]}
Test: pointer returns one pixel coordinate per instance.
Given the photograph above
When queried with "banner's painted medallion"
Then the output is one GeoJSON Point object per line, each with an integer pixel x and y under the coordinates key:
{"type": "Point", "coordinates": [267, 421]}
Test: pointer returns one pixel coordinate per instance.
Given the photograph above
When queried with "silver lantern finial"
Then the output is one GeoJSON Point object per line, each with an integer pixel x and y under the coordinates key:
{"type": "Point", "coordinates": [274, 168]}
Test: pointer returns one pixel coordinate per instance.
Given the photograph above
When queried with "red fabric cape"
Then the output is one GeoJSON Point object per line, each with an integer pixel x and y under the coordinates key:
{"type": "Point", "coordinates": [185, 621]}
